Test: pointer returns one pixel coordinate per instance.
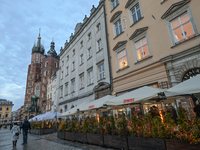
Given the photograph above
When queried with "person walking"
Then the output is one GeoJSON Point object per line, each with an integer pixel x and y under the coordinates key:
{"type": "Point", "coordinates": [25, 126]}
{"type": "Point", "coordinates": [15, 134]}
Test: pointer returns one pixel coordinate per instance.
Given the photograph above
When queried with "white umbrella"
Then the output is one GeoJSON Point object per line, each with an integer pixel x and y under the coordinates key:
{"type": "Point", "coordinates": [189, 86]}
{"type": "Point", "coordinates": [96, 103]}
{"type": "Point", "coordinates": [51, 115]}
{"type": "Point", "coordinates": [136, 96]}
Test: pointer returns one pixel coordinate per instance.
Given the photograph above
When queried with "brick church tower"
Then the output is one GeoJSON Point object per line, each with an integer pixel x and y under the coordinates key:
{"type": "Point", "coordinates": [42, 68]}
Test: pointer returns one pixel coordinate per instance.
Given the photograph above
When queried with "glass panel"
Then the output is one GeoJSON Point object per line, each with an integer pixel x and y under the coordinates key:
{"type": "Point", "coordinates": [178, 35]}
{"type": "Point", "coordinates": [175, 23]}
{"type": "Point", "coordinates": [125, 62]}
{"type": "Point", "coordinates": [139, 14]}
{"type": "Point", "coordinates": [139, 51]}
{"type": "Point", "coordinates": [120, 28]}
{"type": "Point", "coordinates": [117, 31]}
{"type": "Point", "coordinates": [184, 18]}
{"type": "Point", "coordinates": [137, 7]}
{"type": "Point", "coordinates": [120, 63]}
{"type": "Point", "coordinates": [144, 41]}
{"type": "Point", "coordinates": [146, 51]}
{"type": "Point", "coordinates": [133, 10]}
{"type": "Point", "coordinates": [134, 18]}
{"type": "Point", "coordinates": [188, 31]}
{"type": "Point", "coordinates": [138, 44]}
{"type": "Point", "coordinates": [124, 52]}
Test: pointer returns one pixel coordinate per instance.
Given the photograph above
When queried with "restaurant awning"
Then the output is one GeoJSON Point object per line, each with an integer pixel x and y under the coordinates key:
{"type": "Point", "coordinates": [136, 96]}
{"type": "Point", "coordinates": [73, 110]}
{"type": "Point", "coordinates": [190, 86]}
{"type": "Point", "coordinates": [96, 103]}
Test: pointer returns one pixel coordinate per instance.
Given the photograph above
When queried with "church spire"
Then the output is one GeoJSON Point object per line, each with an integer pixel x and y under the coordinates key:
{"type": "Point", "coordinates": [39, 39]}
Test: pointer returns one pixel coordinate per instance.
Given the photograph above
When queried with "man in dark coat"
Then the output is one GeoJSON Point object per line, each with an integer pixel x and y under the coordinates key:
{"type": "Point", "coordinates": [25, 126]}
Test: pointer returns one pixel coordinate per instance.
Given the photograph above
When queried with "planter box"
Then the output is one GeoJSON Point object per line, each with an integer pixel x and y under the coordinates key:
{"type": "Point", "coordinates": [172, 144]}
{"type": "Point", "coordinates": [32, 131]}
{"type": "Point", "coordinates": [115, 141]}
{"type": "Point", "coordinates": [47, 131]}
{"type": "Point", "coordinates": [80, 137]}
{"type": "Point", "coordinates": [61, 135]}
{"type": "Point", "coordinates": [146, 143]}
{"type": "Point", "coordinates": [96, 139]}
{"type": "Point", "coordinates": [69, 136]}
{"type": "Point", "coordinates": [39, 132]}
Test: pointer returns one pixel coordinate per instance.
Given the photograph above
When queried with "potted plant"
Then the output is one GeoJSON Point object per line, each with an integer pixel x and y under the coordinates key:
{"type": "Point", "coordinates": [69, 134]}
{"type": "Point", "coordinates": [61, 130]}
{"type": "Point", "coordinates": [80, 132]}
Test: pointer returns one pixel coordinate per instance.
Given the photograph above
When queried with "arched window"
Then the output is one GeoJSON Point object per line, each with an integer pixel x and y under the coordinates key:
{"type": "Point", "coordinates": [46, 64]}
{"type": "Point", "coordinates": [191, 73]}
{"type": "Point", "coordinates": [37, 90]}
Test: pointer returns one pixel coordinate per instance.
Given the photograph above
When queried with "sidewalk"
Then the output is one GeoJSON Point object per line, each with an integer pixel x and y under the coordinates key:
{"type": "Point", "coordinates": [43, 142]}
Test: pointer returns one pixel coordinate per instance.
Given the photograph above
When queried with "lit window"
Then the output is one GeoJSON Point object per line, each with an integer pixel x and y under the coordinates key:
{"type": "Point", "coordinates": [182, 28]}
{"type": "Point", "coordinates": [136, 13]}
{"type": "Point", "coordinates": [122, 59]}
{"type": "Point", "coordinates": [90, 77]}
{"type": "Point", "coordinates": [82, 83]}
{"type": "Point", "coordinates": [142, 49]}
{"type": "Point", "coordinates": [99, 44]}
{"type": "Point", "coordinates": [89, 52]}
{"type": "Point", "coordinates": [118, 27]}
{"type": "Point", "coordinates": [101, 72]}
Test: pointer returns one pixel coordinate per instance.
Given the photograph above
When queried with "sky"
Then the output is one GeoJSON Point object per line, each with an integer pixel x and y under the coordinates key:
{"type": "Point", "coordinates": [20, 21]}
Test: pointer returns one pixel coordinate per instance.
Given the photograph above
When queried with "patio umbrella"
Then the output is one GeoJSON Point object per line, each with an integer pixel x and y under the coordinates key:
{"type": "Point", "coordinates": [136, 96]}
{"type": "Point", "coordinates": [190, 86]}
{"type": "Point", "coordinates": [96, 103]}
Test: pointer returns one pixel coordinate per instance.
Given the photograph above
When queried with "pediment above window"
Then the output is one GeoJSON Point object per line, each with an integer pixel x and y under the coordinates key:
{"type": "Point", "coordinates": [115, 16]}
{"type": "Point", "coordinates": [175, 7]}
{"type": "Point", "coordinates": [138, 32]}
{"type": "Point", "coordinates": [129, 3]}
{"type": "Point", "coordinates": [119, 44]}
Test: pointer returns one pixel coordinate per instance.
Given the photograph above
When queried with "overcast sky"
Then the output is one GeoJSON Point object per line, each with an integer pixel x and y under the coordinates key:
{"type": "Point", "coordinates": [20, 21]}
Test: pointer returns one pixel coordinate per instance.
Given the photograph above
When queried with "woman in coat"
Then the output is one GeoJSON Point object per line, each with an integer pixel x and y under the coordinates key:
{"type": "Point", "coordinates": [15, 134]}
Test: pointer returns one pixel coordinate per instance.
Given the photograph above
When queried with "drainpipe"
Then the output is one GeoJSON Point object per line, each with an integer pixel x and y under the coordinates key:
{"type": "Point", "coordinates": [108, 50]}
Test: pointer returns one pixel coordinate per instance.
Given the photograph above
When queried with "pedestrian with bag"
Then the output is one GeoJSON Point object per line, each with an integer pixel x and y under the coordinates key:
{"type": "Point", "coordinates": [25, 126]}
{"type": "Point", "coordinates": [15, 133]}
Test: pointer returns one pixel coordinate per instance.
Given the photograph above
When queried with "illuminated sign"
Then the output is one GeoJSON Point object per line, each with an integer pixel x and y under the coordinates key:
{"type": "Point", "coordinates": [128, 100]}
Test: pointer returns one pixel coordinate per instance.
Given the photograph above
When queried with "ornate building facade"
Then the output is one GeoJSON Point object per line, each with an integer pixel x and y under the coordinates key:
{"type": "Point", "coordinates": [42, 68]}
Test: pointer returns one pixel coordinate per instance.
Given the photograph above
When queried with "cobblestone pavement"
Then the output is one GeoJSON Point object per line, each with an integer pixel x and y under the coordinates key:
{"type": "Point", "coordinates": [43, 142]}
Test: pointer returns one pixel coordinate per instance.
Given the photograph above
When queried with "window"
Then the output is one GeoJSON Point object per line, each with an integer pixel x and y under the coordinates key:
{"type": "Point", "coordinates": [82, 83]}
{"type": "Point", "coordinates": [118, 27]}
{"type": "Point", "coordinates": [56, 64]}
{"type": "Point", "coordinates": [65, 108]}
{"type": "Point", "coordinates": [61, 91]}
{"type": "Point", "coordinates": [89, 36]}
{"type": "Point", "coordinates": [182, 28]}
{"type": "Point", "coordinates": [73, 65]}
{"type": "Point", "coordinates": [90, 77]}
{"type": "Point", "coordinates": [98, 27]}
{"type": "Point", "coordinates": [0, 108]}
{"type": "Point", "coordinates": [63, 63]}
{"type": "Point", "coordinates": [122, 59]}
{"type": "Point", "coordinates": [81, 59]}
{"type": "Point", "coordinates": [45, 73]}
{"type": "Point", "coordinates": [136, 13]}
{"type": "Point", "coordinates": [6, 115]}
{"type": "Point", "coordinates": [142, 49]}
{"type": "Point", "coordinates": [73, 86]}
{"type": "Point", "coordinates": [73, 52]}
{"type": "Point", "coordinates": [114, 3]}
{"type": "Point", "coordinates": [67, 71]}
{"type": "Point", "coordinates": [7, 108]}
{"type": "Point", "coordinates": [89, 52]}
{"type": "Point", "coordinates": [101, 71]}
{"type": "Point", "coordinates": [36, 57]}
{"type": "Point", "coordinates": [0, 115]}
{"type": "Point", "coordinates": [66, 88]}
{"type": "Point", "coordinates": [46, 64]}
{"type": "Point", "coordinates": [62, 75]}
{"type": "Point", "coordinates": [67, 57]}
{"type": "Point", "coordinates": [81, 44]}
{"type": "Point", "coordinates": [99, 44]}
